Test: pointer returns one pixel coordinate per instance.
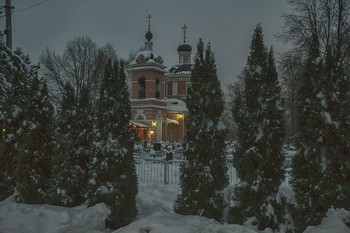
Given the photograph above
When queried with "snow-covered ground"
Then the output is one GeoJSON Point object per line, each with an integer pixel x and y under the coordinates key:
{"type": "Point", "coordinates": [155, 203]}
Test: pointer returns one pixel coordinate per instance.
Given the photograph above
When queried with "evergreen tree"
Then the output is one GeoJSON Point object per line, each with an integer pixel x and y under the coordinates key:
{"type": "Point", "coordinates": [6, 161]}
{"type": "Point", "coordinates": [258, 160]}
{"type": "Point", "coordinates": [74, 137]}
{"type": "Point", "coordinates": [17, 73]}
{"type": "Point", "coordinates": [203, 176]}
{"type": "Point", "coordinates": [36, 146]}
{"type": "Point", "coordinates": [336, 120]}
{"type": "Point", "coordinates": [321, 168]}
{"type": "Point", "coordinates": [113, 177]}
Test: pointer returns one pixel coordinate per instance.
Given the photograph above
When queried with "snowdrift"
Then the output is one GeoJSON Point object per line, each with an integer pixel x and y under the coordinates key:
{"type": "Point", "coordinates": [163, 222]}
{"type": "Point", "coordinates": [156, 216]}
{"type": "Point", "coordinates": [22, 218]}
{"type": "Point", "coordinates": [335, 221]}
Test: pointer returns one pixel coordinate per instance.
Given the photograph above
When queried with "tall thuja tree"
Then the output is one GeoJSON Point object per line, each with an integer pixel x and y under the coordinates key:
{"type": "Point", "coordinates": [36, 146]}
{"type": "Point", "coordinates": [113, 177]}
{"type": "Point", "coordinates": [62, 173]}
{"type": "Point", "coordinates": [17, 73]}
{"type": "Point", "coordinates": [258, 112]}
{"type": "Point", "coordinates": [74, 138]}
{"type": "Point", "coordinates": [336, 120]}
{"type": "Point", "coordinates": [321, 168]}
{"type": "Point", "coordinates": [203, 176]}
{"type": "Point", "coordinates": [307, 170]}
{"type": "Point", "coordinates": [6, 161]}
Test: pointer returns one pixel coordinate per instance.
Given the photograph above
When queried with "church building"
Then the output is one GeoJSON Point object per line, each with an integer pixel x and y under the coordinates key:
{"type": "Point", "coordinates": [158, 94]}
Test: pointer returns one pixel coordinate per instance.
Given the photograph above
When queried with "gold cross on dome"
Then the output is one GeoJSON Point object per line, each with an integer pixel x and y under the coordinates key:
{"type": "Point", "coordinates": [149, 17]}
{"type": "Point", "coordinates": [184, 32]}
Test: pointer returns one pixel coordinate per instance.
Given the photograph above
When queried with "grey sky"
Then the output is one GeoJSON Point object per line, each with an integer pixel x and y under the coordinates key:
{"type": "Point", "coordinates": [227, 24]}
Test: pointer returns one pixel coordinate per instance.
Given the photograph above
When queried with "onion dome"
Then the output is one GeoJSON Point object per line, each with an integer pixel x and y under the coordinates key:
{"type": "Point", "coordinates": [149, 36]}
{"type": "Point", "coordinates": [184, 48]}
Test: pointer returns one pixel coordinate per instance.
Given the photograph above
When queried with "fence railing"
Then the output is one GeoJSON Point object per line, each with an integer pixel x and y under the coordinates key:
{"type": "Point", "coordinates": [160, 170]}
{"type": "Point", "coordinates": [157, 170]}
{"type": "Point", "coordinates": [153, 166]}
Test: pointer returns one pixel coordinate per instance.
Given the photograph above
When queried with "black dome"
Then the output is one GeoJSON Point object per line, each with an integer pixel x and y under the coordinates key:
{"type": "Point", "coordinates": [184, 48]}
{"type": "Point", "coordinates": [149, 35]}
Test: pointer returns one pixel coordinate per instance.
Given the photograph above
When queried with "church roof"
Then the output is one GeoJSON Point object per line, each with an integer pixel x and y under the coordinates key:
{"type": "Point", "coordinates": [184, 48]}
{"type": "Point", "coordinates": [147, 57]}
{"type": "Point", "coordinates": [181, 68]}
{"type": "Point", "coordinates": [176, 105]}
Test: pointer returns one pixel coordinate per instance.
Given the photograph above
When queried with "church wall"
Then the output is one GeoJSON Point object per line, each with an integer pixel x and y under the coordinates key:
{"type": "Point", "coordinates": [181, 87]}
{"type": "Point", "coordinates": [150, 81]}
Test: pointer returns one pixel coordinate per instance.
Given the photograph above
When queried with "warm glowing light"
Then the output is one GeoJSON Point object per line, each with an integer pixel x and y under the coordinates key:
{"type": "Point", "coordinates": [152, 132]}
{"type": "Point", "coordinates": [154, 124]}
{"type": "Point", "coordinates": [180, 116]}
{"type": "Point", "coordinates": [3, 130]}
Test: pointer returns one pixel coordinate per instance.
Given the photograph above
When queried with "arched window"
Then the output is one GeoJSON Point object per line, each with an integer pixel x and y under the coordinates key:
{"type": "Point", "coordinates": [142, 87]}
{"type": "Point", "coordinates": [157, 88]}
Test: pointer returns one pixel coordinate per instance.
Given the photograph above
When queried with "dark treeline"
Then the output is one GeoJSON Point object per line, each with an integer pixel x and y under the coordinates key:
{"type": "Point", "coordinates": [60, 144]}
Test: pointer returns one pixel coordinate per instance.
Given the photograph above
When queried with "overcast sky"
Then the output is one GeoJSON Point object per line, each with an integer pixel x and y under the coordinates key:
{"type": "Point", "coordinates": [227, 24]}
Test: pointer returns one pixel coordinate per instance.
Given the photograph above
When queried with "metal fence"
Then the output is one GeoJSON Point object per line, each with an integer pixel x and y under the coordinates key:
{"type": "Point", "coordinates": [160, 170]}
{"type": "Point", "coordinates": [157, 170]}
{"type": "Point", "coordinates": [152, 165]}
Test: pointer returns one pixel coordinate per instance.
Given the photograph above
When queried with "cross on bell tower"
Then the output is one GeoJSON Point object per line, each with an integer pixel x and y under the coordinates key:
{"type": "Point", "coordinates": [184, 27]}
{"type": "Point", "coordinates": [149, 36]}
{"type": "Point", "coordinates": [149, 17]}
{"type": "Point", "coordinates": [184, 50]}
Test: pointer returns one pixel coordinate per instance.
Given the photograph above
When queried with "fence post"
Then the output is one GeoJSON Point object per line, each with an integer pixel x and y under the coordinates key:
{"type": "Point", "coordinates": [166, 181]}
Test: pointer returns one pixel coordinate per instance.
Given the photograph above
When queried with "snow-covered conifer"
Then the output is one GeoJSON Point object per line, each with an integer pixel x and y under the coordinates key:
{"type": "Point", "coordinates": [321, 167]}
{"type": "Point", "coordinates": [203, 176]}
{"type": "Point", "coordinates": [74, 138]}
{"type": "Point", "coordinates": [258, 112]}
{"type": "Point", "coordinates": [36, 145]}
{"type": "Point", "coordinates": [112, 176]}
{"type": "Point", "coordinates": [16, 74]}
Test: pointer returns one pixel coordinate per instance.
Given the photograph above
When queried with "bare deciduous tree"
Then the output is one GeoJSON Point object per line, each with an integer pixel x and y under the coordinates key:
{"type": "Point", "coordinates": [81, 65]}
{"type": "Point", "coordinates": [329, 21]}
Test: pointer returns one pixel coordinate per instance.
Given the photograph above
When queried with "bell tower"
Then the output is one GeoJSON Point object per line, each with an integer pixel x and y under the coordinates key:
{"type": "Point", "coordinates": [147, 90]}
{"type": "Point", "coordinates": [185, 49]}
{"type": "Point", "coordinates": [178, 80]}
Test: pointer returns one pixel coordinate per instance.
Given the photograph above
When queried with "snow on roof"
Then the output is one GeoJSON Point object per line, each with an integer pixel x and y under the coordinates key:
{"type": "Point", "coordinates": [147, 56]}
{"type": "Point", "coordinates": [181, 68]}
{"type": "Point", "coordinates": [138, 124]}
{"type": "Point", "coordinates": [171, 121]}
{"type": "Point", "coordinates": [176, 105]}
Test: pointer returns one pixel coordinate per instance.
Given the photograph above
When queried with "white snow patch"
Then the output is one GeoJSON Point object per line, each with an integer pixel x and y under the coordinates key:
{"type": "Point", "coordinates": [220, 126]}
{"type": "Point", "coordinates": [258, 69]}
{"type": "Point", "coordinates": [162, 222]}
{"type": "Point", "coordinates": [327, 117]}
{"type": "Point", "coordinates": [22, 218]}
{"type": "Point", "coordinates": [260, 134]}
{"type": "Point", "coordinates": [16, 111]}
{"type": "Point", "coordinates": [333, 222]}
